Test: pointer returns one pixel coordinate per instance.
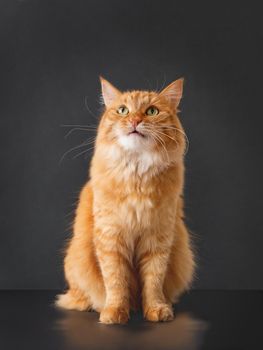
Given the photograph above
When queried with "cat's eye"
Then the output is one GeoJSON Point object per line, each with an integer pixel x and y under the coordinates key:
{"type": "Point", "coordinates": [123, 110]}
{"type": "Point", "coordinates": [152, 111]}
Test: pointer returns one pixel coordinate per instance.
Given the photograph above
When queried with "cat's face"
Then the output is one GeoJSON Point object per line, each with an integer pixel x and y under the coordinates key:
{"type": "Point", "coordinates": [142, 120]}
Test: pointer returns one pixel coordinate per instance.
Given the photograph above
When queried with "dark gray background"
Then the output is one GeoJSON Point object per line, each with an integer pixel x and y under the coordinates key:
{"type": "Point", "coordinates": [52, 53]}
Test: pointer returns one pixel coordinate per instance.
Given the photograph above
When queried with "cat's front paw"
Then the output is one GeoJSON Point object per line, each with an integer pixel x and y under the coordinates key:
{"type": "Point", "coordinates": [114, 315]}
{"type": "Point", "coordinates": [160, 312]}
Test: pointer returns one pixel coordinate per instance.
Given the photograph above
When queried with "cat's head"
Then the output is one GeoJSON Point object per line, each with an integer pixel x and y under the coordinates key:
{"type": "Point", "coordinates": [142, 120]}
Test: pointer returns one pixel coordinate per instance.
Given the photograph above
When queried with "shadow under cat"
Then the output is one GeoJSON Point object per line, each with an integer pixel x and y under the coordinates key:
{"type": "Point", "coordinates": [82, 331]}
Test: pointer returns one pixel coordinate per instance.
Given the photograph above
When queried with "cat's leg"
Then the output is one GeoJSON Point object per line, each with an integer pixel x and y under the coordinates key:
{"type": "Point", "coordinates": [152, 259]}
{"type": "Point", "coordinates": [113, 257]}
{"type": "Point", "coordinates": [181, 264]}
{"type": "Point", "coordinates": [86, 288]}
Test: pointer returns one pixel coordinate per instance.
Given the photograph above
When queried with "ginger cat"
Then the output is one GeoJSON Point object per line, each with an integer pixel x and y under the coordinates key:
{"type": "Point", "coordinates": [130, 246]}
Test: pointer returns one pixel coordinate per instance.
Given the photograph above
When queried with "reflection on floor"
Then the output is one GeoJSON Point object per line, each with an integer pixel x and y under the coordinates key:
{"type": "Point", "coordinates": [204, 320]}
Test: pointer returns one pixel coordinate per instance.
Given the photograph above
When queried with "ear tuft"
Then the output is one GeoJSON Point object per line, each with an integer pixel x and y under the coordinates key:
{"type": "Point", "coordinates": [109, 92]}
{"type": "Point", "coordinates": [173, 92]}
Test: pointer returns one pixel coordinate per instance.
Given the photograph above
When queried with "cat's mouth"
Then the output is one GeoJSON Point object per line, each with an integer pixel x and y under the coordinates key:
{"type": "Point", "coordinates": [136, 133]}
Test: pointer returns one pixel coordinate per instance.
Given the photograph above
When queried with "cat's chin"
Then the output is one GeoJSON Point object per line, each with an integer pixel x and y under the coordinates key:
{"type": "Point", "coordinates": [135, 142]}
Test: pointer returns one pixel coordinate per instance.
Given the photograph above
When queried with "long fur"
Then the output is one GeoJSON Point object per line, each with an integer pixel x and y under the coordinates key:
{"type": "Point", "coordinates": [130, 247]}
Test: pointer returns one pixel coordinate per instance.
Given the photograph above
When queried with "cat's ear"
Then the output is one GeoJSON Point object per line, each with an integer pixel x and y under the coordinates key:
{"type": "Point", "coordinates": [173, 92]}
{"type": "Point", "coordinates": [109, 92]}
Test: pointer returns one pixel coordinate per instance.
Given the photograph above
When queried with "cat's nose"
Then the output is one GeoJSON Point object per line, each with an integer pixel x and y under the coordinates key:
{"type": "Point", "coordinates": [135, 121]}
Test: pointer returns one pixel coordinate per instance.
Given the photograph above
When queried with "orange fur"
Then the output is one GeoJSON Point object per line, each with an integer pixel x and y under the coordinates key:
{"type": "Point", "coordinates": [130, 246]}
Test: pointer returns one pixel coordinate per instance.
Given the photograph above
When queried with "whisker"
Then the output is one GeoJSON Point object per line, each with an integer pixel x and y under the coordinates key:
{"type": "Point", "coordinates": [184, 134]}
{"type": "Point", "coordinates": [172, 127]}
{"type": "Point", "coordinates": [157, 83]}
{"type": "Point", "coordinates": [162, 133]}
{"type": "Point", "coordinates": [88, 108]}
{"type": "Point", "coordinates": [78, 128]}
{"type": "Point", "coordinates": [85, 143]}
{"type": "Point", "coordinates": [163, 84]}
{"type": "Point", "coordinates": [86, 150]}
{"type": "Point", "coordinates": [157, 128]}
{"type": "Point", "coordinates": [158, 138]}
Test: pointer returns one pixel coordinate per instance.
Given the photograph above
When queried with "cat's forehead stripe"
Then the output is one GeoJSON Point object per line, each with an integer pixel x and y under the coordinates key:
{"type": "Point", "coordinates": [137, 99]}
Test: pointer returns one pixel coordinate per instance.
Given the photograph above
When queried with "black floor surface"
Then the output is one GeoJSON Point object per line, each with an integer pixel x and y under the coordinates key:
{"type": "Point", "coordinates": [204, 320]}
